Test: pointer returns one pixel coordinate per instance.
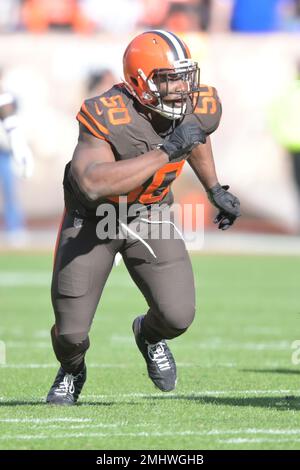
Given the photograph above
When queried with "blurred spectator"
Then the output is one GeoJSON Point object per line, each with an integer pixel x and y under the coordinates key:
{"type": "Point", "coordinates": [249, 16]}
{"type": "Point", "coordinates": [154, 13]}
{"type": "Point", "coordinates": [99, 81]}
{"type": "Point", "coordinates": [9, 15]}
{"type": "Point", "coordinates": [187, 15]}
{"type": "Point", "coordinates": [112, 16]}
{"type": "Point", "coordinates": [86, 16]}
{"type": "Point", "coordinates": [40, 15]}
{"type": "Point", "coordinates": [14, 155]}
{"type": "Point", "coordinates": [291, 21]}
{"type": "Point", "coordinates": [285, 123]}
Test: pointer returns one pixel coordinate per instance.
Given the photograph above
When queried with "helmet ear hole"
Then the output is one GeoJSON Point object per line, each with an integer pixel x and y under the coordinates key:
{"type": "Point", "coordinates": [134, 81]}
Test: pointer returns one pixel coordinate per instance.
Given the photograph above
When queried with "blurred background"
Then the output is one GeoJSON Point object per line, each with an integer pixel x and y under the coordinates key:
{"type": "Point", "coordinates": [55, 53]}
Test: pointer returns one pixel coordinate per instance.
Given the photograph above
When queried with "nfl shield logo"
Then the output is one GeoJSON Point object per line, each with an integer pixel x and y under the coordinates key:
{"type": "Point", "coordinates": [77, 222]}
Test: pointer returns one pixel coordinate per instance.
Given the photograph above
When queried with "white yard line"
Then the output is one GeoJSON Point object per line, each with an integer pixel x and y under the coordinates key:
{"type": "Point", "coordinates": [102, 435]}
{"type": "Point", "coordinates": [45, 426]}
{"type": "Point", "coordinates": [189, 394]}
{"type": "Point", "coordinates": [97, 366]}
{"type": "Point", "coordinates": [192, 393]}
{"type": "Point", "coordinates": [44, 420]}
{"type": "Point", "coordinates": [212, 432]}
{"type": "Point", "coordinates": [83, 426]}
{"type": "Point", "coordinates": [255, 431]}
{"type": "Point", "coordinates": [47, 366]}
{"type": "Point", "coordinates": [241, 440]}
{"type": "Point", "coordinates": [144, 434]}
{"type": "Point", "coordinates": [220, 346]}
{"type": "Point", "coordinates": [229, 365]}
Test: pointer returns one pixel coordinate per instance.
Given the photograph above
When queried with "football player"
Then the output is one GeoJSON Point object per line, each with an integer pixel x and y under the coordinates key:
{"type": "Point", "coordinates": [15, 158]}
{"type": "Point", "coordinates": [134, 140]}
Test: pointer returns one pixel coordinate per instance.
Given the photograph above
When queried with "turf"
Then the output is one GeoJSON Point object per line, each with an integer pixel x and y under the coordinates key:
{"type": "Point", "coordinates": [238, 387]}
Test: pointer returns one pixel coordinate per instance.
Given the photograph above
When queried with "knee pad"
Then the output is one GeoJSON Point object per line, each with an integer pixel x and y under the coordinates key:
{"type": "Point", "coordinates": [73, 339]}
{"type": "Point", "coordinates": [70, 343]}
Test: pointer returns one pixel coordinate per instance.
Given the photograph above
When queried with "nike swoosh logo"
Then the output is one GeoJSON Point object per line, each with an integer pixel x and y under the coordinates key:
{"type": "Point", "coordinates": [98, 110]}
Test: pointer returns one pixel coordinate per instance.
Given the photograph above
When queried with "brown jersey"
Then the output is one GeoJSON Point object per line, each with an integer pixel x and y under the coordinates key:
{"type": "Point", "coordinates": [119, 119]}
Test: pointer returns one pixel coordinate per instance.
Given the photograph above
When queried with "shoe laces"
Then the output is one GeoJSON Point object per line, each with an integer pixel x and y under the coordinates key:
{"type": "Point", "coordinates": [66, 385]}
{"type": "Point", "coordinates": [156, 352]}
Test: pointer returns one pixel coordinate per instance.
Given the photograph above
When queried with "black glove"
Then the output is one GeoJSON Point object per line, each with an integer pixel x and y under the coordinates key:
{"type": "Point", "coordinates": [227, 203]}
{"type": "Point", "coordinates": [183, 139]}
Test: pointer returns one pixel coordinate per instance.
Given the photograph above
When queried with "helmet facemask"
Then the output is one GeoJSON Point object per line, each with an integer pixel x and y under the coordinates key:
{"type": "Point", "coordinates": [158, 86]}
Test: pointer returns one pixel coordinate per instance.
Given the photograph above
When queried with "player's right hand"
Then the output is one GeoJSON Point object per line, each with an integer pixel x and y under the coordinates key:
{"type": "Point", "coordinates": [183, 139]}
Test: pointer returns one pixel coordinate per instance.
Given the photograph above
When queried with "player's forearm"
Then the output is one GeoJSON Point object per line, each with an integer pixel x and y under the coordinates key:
{"type": "Point", "coordinates": [202, 162]}
{"type": "Point", "coordinates": [115, 178]}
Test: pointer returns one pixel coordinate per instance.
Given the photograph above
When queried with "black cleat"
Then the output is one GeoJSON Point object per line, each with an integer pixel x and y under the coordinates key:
{"type": "Point", "coordinates": [66, 388]}
{"type": "Point", "coordinates": [160, 362]}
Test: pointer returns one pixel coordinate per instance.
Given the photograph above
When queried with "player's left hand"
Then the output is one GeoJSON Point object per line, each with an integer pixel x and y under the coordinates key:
{"type": "Point", "coordinates": [227, 203]}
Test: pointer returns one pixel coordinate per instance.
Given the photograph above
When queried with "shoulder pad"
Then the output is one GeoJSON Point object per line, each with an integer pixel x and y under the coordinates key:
{"type": "Point", "coordinates": [102, 113]}
{"type": "Point", "coordinates": [91, 115]}
{"type": "Point", "coordinates": [208, 108]}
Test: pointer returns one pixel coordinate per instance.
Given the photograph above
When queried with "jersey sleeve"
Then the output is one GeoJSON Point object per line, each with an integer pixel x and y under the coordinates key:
{"type": "Point", "coordinates": [208, 109]}
{"type": "Point", "coordinates": [92, 117]}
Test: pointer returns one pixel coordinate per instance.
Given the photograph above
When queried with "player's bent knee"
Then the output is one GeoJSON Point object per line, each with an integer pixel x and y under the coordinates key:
{"type": "Point", "coordinates": [179, 317]}
{"type": "Point", "coordinates": [74, 339]}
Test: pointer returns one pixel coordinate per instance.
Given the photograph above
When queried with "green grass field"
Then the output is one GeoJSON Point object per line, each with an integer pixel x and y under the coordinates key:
{"type": "Point", "coordinates": [237, 386]}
